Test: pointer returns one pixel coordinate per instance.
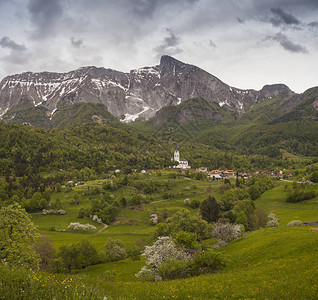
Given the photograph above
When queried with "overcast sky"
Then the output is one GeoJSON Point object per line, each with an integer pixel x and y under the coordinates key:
{"type": "Point", "coordinates": [245, 43]}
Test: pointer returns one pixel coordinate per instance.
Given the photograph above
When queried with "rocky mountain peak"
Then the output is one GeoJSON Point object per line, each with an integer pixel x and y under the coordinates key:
{"type": "Point", "coordinates": [168, 61]}
{"type": "Point", "coordinates": [128, 96]}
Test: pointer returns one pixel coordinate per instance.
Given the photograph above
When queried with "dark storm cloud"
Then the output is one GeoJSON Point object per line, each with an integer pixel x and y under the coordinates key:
{"type": "Point", "coordinates": [147, 8]}
{"type": "Point", "coordinates": [313, 24]}
{"type": "Point", "coordinates": [45, 15]}
{"type": "Point", "coordinates": [170, 45]}
{"type": "Point", "coordinates": [280, 17]}
{"type": "Point", "coordinates": [76, 43]}
{"type": "Point", "coordinates": [6, 42]}
{"type": "Point", "coordinates": [287, 44]}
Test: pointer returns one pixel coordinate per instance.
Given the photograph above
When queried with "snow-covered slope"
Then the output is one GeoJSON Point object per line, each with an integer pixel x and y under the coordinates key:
{"type": "Point", "coordinates": [128, 96]}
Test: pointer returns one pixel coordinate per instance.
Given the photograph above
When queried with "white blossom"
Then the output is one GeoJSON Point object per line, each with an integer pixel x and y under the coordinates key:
{"type": "Point", "coordinates": [273, 221]}
{"type": "Point", "coordinates": [295, 223]}
{"type": "Point", "coordinates": [154, 219]}
{"type": "Point", "coordinates": [164, 248]}
{"type": "Point", "coordinates": [226, 231]}
{"type": "Point", "coordinates": [78, 226]}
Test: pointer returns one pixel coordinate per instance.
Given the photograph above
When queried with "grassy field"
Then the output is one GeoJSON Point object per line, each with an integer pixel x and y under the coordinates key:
{"type": "Point", "coordinates": [271, 263]}
{"type": "Point", "coordinates": [274, 201]}
{"type": "Point", "coordinates": [133, 222]}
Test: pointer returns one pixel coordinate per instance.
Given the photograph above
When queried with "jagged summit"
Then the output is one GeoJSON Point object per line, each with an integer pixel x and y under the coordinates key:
{"type": "Point", "coordinates": [128, 96]}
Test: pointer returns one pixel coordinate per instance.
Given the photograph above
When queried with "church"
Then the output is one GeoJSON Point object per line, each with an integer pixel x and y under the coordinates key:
{"type": "Point", "coordinates": [182, 163]}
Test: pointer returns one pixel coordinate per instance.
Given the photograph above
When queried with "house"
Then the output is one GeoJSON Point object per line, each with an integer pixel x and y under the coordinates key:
{"type": "Point", "coordinates": [229, 173]}
{"type": "Point", "coordinates": [278, 172]}
{"type": "Point", "coordinates": [217, 177]}
{"type": "Point", "coordinates": [210, 175]}
{"type": "Point", "coordinates": [182, 163]}
{"type": "Point", "coordinates": [202, 169]}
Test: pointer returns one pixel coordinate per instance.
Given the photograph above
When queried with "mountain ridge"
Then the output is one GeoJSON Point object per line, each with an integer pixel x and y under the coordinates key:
{"type": "Point", "coordinates": [133, 95]}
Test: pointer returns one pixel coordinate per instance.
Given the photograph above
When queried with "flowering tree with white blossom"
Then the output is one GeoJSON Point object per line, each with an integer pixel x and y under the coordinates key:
{"type": "Point", "coordinates": [163, 249]}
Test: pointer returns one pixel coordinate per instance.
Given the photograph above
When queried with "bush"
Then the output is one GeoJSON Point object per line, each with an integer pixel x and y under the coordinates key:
{"type": "Point", "coordinates": [208, 262]}
{"type": "Point", "coordinates": [273, 221]}
{"type": "Point", "coordinates": [115, 250]}
{"type": "Point", "coordinates": [295, 223]}
{"type": "Point", "coordinates": [202, 263]}
{"type": "Point", "coordinates": [300, 193]}
{"type": "Point", "coordinates": [227, 232]}
{"type": "Point", "coordinates": [195, 203]}
{"type": "Point", "coordinates": [174, 268]}
{"type": "Point", "coordinates": [187, 201]}
{"type": "Point", "coordinates": [163, 249]}
{"type": "Point", "coordinates": [186, 240]}
{"type": "Point", "coordinates": [81, 227]}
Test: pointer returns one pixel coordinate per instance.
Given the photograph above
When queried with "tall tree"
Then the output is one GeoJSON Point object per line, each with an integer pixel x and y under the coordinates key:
{"type": "Point", "coordinates": [209, 210]}
{"type": "Point", "coordinates": [17, 237]}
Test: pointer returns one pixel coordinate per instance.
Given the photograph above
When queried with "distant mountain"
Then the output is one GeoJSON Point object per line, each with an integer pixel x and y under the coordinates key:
{"type": "Point", "coordinates": [138, 94]}
{"type": "Point", "coordinates": [65, 116]}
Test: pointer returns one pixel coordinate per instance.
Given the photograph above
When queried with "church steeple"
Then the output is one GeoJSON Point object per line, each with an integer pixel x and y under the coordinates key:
{"type": "Point", "coordinates": [176, 156]}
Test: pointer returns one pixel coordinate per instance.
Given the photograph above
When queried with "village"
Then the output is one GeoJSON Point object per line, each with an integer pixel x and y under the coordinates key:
{"type": "Point", "coordinates": [218, 175]}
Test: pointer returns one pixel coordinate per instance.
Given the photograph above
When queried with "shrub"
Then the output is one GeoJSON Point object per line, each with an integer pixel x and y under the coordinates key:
{"type": "Point", "coordinates": [300, 193]}
{"type": "Point", "coordinates": [175, 268]}
{"type": "Point", "coordinates": [187, 201]}
{"type": "Point", "coordinates": [273, 221]}
{"type": "Point", "coordinates": [186, 240]}
{"type": "Point", "coordinates": [259, 219]}
{"type": "Point", "coordinates": [95, 218]}
{"type": "Point", "coordinates": [115, 250]}
{"type": "Point", "coordinates": [208, 262]}
{"type": "Point", "coordinates": [154, 219]}
{"type": "Point", "coordinates": [81, 227]}
{"type": "Point", "coordinates": [295, 223]}
{"type": "Point", "coordinates": [195, 203]}
{"type": "Point", "coordinates": [163, 249]}
{"type": "Point", "coordinates": [227, 232]}
{"type": "Point", "coordinates": [182, 220]}
{"type": "Point", "coordinates": [202, 263]}
{"type": "Point", "coordinates": [53, 212]}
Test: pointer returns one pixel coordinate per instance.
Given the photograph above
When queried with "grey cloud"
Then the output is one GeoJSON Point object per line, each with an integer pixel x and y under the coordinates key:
{"type": "Point", "coordinates": [280, 17]}
{"type": "Point", "coordinates": [212, 44]}
{"type": "Point", "coordinates": [313, 24]}
{"type": "Point", "coordinates": [45, 15]}
{"type": "Point", "coordinates": [170, 45]}
{"type": "Point", "coordinates": [287, 44]}
{"type": "Point", "coordinates": [6, 42]}
{"type": "Point", "coordinates": [240, 20]}
{"type": "Point", "coordinates": [147, 8]}
{"type": "Point", "coordinates": [76, 43]}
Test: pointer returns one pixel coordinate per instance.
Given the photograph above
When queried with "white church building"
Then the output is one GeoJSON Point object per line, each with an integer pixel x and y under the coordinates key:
{"type": "Point", "coordinates": [182, 163]}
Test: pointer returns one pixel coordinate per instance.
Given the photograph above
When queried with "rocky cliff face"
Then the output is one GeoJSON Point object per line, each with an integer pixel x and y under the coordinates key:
{"type": "Point", "coordinates": [129, 96]}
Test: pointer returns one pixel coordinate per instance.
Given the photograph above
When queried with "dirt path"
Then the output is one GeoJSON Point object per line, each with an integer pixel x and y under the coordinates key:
{"type": "Point", "coordinates": [100, 230]}
{"type": "Point", "coordinates": [314, 228]}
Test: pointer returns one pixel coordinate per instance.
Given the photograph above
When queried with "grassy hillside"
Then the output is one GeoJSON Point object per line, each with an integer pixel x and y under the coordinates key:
{"type": "Point", "coordinates": [274, 201]}
{"type": "Point", "coordinates": [272, 263]}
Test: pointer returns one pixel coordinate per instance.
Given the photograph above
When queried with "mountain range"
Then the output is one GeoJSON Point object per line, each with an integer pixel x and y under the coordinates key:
{"type": "Point", "coordinates": [41, 99]}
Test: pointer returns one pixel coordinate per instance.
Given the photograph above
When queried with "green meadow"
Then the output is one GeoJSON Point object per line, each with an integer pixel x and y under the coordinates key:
{"type": "Point", "coordinates": [270, 263]}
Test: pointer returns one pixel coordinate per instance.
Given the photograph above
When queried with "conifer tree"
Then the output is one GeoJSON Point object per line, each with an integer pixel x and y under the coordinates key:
{"type": "Point", "coordinates": [209, 210]}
